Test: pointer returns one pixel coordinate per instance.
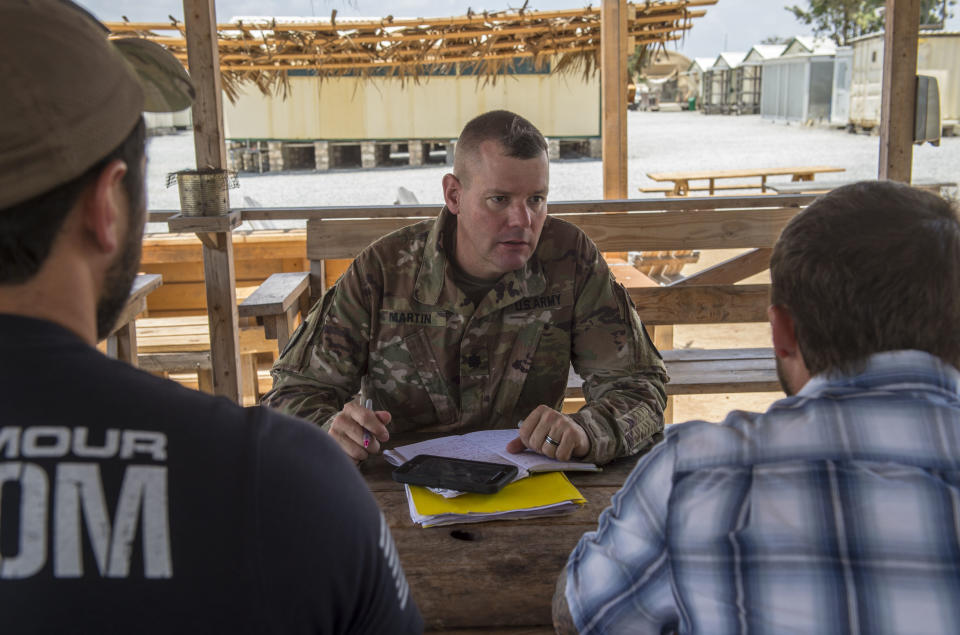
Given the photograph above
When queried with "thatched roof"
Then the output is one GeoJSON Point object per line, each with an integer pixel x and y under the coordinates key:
{"type": "Point", "coordinates": [265, 50]}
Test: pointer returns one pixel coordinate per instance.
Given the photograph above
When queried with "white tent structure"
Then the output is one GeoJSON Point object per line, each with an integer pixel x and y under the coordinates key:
{"type": "Point", "coordinates": [697, 72]}
{"type": "Point", "coordinates": [720, 80]}
{"type": "Point", "coordinates": [798, 85]}
{"type": "Point", "coordinates": [750, 74]}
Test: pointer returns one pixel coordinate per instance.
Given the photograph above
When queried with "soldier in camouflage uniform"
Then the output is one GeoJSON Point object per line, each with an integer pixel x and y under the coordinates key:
{"type": "Point", "coordinates": [471, 321]}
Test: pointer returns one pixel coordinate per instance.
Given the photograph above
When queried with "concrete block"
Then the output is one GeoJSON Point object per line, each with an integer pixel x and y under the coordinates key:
{"type": "Point", "coordinates": [553, 149]}
{"type": "Point", "coordinates": [596, 148]}
{"type": "Point", "coordinates": [275, 155]}
{"type": "Point", "coordinates": [368, 154]}
{"type": "Point", "coordinates": [322, 155]}
{"type": "Point", "coordinates": [415, 148]}
{"type": "Point", "coordinates": [234, 159]}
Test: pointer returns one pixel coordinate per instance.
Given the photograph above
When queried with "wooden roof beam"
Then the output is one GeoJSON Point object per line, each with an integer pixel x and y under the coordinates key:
{"type": "Point", "coordinates": [321, 56]}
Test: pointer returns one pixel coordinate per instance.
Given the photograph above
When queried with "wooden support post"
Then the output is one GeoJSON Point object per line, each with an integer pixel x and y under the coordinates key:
{"type": "Point", "coordinates": [126, 337]}
{"type": "Point", "coordinates": [208, 139]}
{"type": "Point", "coordinates": [898, 101]}
{"type": "Point", "coordinates": [613, 80]}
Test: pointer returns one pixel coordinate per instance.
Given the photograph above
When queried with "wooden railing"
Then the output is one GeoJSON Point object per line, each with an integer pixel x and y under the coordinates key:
{"type": "Point", "coordinates": [750, 223]}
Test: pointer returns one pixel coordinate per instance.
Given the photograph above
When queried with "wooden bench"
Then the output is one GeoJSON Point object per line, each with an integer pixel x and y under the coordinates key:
{"type": "Point", "coordinates": [172, 345]}
{"type": "Point", "coordinates": [682, 187]}
{"type": "Point", "coordinates": [671, 191]}
{"type": "Point", "coordinates": [709, 371]}
{"type": "Point", "coordinates": [178, 257]}
{"type": "Point", "coordinates": [711, 296]}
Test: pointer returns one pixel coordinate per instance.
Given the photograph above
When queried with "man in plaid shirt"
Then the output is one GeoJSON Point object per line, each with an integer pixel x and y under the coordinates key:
{"type": "Point", "coordinates": [838, 509]}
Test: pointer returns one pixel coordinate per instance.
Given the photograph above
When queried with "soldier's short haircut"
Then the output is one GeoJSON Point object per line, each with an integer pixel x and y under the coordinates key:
{"type": "Point", "coordinates": [871, 267]}
{"type": "Point", "coordinates": [29, 229]}
{"type": "Point", "coordinates": [519, 138]}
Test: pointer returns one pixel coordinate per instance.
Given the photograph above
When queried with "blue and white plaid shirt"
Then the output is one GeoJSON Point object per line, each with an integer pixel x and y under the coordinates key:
{"type": "Point", "coordinates": [836, 511]}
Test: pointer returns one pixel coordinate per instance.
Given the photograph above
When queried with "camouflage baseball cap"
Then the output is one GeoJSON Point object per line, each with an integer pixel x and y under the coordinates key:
{"type": "Point", "coordinates": [70, 95]}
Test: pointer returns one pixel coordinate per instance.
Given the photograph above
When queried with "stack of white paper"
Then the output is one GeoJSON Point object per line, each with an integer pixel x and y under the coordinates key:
{"type": "Point", "coordinates": [486, 445]}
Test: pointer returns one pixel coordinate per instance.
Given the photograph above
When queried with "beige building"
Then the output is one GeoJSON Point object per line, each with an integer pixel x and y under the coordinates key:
{"type": "Point", "coordinates": [326, 122]}
{"type": "Point", "coordinates": [379, 108]}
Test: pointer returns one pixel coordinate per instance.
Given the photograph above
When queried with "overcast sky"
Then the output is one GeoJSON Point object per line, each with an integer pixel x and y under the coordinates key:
{"type": "Point", "coordinates": [730, 25]}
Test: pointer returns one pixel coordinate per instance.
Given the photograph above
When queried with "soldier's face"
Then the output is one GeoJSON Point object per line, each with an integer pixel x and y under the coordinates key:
{"type": "Point", "coordinates": [501, 205]}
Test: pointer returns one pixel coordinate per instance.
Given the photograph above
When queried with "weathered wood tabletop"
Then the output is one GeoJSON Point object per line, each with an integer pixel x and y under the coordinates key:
{"type": "Point", "coordinates": [495, 575]}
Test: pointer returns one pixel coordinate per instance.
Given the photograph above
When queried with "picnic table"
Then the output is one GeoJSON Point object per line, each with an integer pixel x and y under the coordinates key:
{"type": "Point", "coordinates": [494, 575]}
{"type": "Point", "coordinates": [682, 187]}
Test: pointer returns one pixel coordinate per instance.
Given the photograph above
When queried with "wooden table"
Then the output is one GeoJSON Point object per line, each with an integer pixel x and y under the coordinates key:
{"type": "Point", "coordinates": [682, 187]}
{"type": "Point", "coordinates": [122, 341]}
{"type": "Point", "coordinates": [498, 574]}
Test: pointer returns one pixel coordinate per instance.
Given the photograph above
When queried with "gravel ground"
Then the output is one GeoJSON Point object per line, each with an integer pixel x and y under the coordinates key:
{"type": "Point", "coordinates": [658, 141]}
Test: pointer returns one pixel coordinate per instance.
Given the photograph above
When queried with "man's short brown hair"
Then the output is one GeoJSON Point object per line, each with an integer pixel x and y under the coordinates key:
{"type": "Point", "coordinates": [519, 138]}
{"type": "Point", "coordinates": [871, 267]}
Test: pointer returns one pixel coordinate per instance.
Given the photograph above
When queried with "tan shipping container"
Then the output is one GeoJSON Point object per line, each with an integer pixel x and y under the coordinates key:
{"type": "Point", "coordinates": [380, 108]}
{"type": "Point", "coordinates": [938, 55]}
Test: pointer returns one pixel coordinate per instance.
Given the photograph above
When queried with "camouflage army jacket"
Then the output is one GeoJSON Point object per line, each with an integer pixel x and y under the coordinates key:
{"type": "Point", "coordinates": [438, 363]}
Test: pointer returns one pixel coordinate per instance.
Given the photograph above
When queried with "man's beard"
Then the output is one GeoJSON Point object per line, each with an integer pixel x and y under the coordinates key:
{"type": "Point", "coordinates": [119, 278]}
{"type": "Point", "coordinates": [781, 376]}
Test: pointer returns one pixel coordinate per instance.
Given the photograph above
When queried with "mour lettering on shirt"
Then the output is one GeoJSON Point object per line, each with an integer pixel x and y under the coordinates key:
{"type": "Point", "coordinates": [71, 494]}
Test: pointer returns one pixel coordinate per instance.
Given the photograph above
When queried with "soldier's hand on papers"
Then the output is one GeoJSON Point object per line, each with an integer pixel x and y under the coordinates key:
{"type": "Point", "coordinates": [348, 427]}
{"type": "Point", "coordinates": [552, 434]}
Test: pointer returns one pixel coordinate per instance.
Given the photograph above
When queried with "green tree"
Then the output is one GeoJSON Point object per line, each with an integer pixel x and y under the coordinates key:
{"type": "Point", "coordinates": [843, 20]}
{"type": "Point", "coordinates": [934, 13]}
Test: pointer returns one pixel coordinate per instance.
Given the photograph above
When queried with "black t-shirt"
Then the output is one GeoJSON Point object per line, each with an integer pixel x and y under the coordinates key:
{"type": "Point", "coordinates": [132, 505]}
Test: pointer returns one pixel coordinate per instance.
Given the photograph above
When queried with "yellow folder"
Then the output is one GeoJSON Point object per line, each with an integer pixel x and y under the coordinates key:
{"type": "Point", "coordinates": [537, 490]}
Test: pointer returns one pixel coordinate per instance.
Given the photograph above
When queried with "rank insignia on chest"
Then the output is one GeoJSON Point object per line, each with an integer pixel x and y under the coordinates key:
{"type": "Point", "coordinates": [417, 318]}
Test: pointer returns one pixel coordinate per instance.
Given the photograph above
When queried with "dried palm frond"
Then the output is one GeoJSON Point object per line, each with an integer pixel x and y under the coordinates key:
{"type": "Point", "coordinates": [265, 51]}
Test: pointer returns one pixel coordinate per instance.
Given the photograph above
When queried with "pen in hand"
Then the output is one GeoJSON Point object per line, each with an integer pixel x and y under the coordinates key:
{"type": "Point", "coordinates": [368, 404]}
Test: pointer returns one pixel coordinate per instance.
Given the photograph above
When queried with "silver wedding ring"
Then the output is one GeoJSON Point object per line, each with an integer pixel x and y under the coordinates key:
{"type": "Point", "coordinates": [552, 441]}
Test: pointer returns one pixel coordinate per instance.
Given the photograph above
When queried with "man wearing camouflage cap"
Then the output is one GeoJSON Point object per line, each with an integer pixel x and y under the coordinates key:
{"type": "Point", "coordinates": [471, 321]}
{"type": "Point", "coordinates": [130, 504]}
